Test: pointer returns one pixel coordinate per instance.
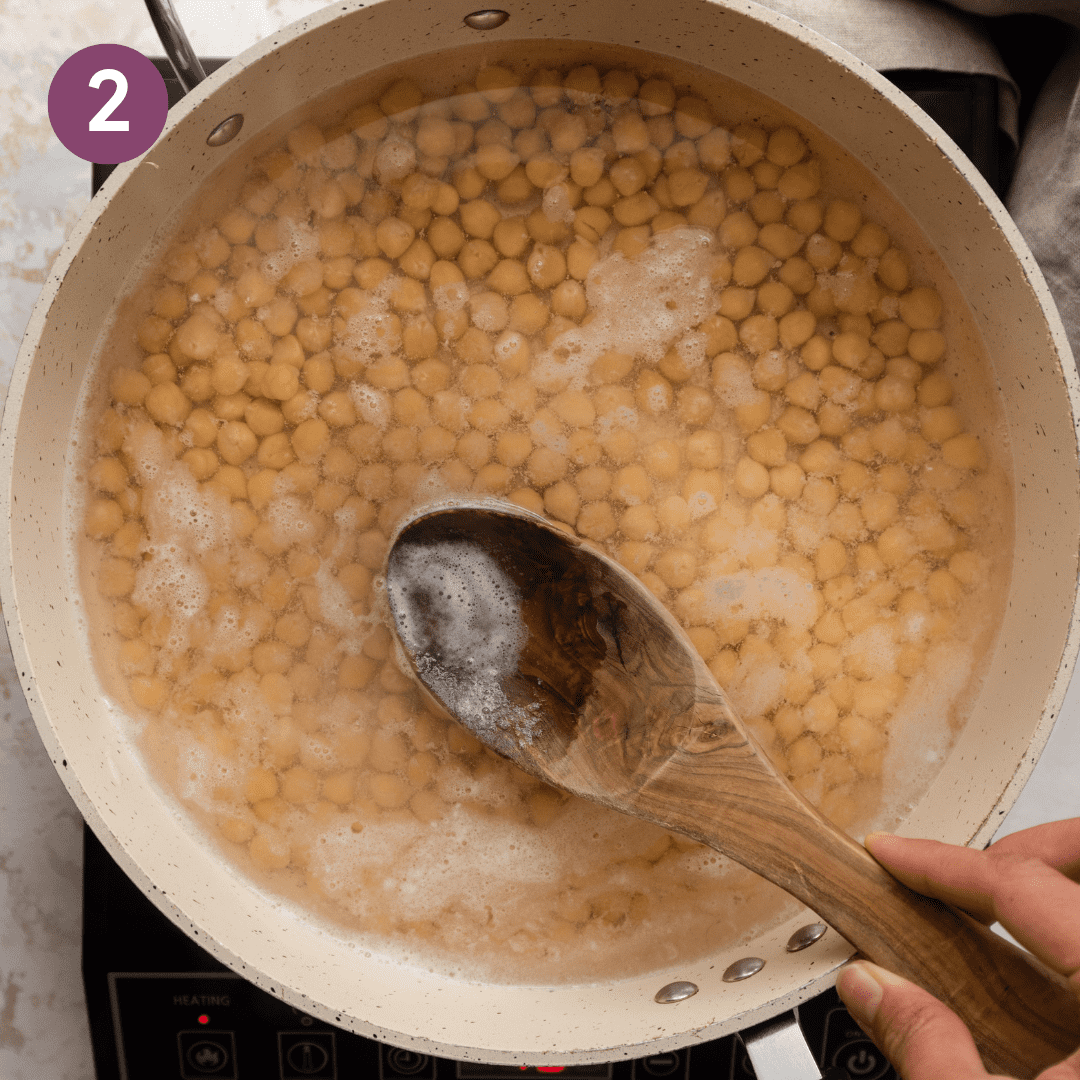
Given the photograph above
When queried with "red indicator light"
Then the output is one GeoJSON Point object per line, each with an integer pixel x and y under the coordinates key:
{"type": "Point", "coordinates": [204, 1019]}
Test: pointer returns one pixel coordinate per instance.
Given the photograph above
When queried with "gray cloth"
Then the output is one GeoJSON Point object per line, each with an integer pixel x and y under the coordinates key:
{"type": "Point", "coordinates": [893, 35]}
{"type": "Point", "coordinates": [1045, 195]}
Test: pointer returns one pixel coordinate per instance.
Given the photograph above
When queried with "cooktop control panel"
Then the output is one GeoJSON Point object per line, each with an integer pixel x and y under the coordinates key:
{"type": "Point", "coordinates": [195, 1025]}
{"type": "Point", "coordinates": [162, 1008]}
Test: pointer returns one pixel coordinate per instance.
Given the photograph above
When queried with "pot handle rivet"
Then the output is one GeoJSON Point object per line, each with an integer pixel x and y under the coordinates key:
{"type": "Point", "coordinates": [676, 991]}
{"type": "Point", "coordinates": [226, 131]}
{"type": "Point", "coordinates": [744, 968]}
{"type": "Point", "coordinates": [805, 936]}
{"type": "Point", "coordinates": [488, 19]}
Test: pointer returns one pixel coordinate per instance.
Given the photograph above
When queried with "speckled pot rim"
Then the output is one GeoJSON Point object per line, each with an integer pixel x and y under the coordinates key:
{"type": "Point", "coordinates": [310, 967]}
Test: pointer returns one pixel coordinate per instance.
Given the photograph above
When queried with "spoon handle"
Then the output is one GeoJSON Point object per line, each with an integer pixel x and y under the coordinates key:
{"type": "Point", "coordinates": [1023, 1016]}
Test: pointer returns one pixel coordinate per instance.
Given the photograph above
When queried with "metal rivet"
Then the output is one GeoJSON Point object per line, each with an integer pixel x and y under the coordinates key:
{"type": "Point", "coordinates": [488, 19]}
{"type": "Point", "coordinates": [226, 131]}
{"type": "Point", "coordinates": [805, 936]}
{"type": "Point", "coordinates": [676, 991]}
{"type": "Point", "coordinates": [744, 968]}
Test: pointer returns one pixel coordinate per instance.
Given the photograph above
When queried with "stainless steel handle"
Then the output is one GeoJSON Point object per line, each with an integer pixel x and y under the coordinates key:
{"type": "Point", "coordinates": [778, 1050]}
{"type": "Point", "coordinates": [177, 46]}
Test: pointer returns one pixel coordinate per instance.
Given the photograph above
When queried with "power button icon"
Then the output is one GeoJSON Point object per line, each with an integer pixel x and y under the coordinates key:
{"type": "Point", "coordinates": [862, 1060]}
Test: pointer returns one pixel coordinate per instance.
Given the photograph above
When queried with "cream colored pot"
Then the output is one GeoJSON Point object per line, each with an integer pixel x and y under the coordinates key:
{"type": "Point", "coordinates": [307, 965]}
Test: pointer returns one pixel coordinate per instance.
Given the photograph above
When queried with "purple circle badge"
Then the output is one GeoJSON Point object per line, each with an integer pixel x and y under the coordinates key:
{"type": "Point", "coordinates": [108, 103]}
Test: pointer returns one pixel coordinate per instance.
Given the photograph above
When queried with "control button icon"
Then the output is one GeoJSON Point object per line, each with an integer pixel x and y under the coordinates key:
{"type": "Point", "coordinates": [207, 1053]}
{"type": "Point", "coordinates": [406, 1062]}
{"type": "Point", "coordinates": [661, 1064]}
{"type": "Point", "coordinates": [862, 1060]}
{"type": "Point", "coordinates": [307, 1055]}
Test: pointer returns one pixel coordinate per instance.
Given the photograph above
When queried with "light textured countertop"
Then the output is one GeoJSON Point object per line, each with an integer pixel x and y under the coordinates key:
{"type": "Point", "coordinates": [43, 190]}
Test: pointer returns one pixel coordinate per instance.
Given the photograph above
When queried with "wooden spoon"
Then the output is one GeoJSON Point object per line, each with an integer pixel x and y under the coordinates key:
{"type": "Point", "coordinates": [562, 661]}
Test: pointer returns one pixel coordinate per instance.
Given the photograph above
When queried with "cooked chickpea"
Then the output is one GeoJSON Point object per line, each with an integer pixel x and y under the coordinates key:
{"type": "Point", "coordinates": [167, 404]}
{"type": "Point", "coordinates": [787, 480]}
{"type": "Point", "coordinates": [963, 452]}
{"type": "Point", "coordinates": [751, 478]}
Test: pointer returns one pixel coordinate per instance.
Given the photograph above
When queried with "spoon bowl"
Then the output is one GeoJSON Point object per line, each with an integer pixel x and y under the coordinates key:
{"type": "Point", "coordinates": [559, 659]}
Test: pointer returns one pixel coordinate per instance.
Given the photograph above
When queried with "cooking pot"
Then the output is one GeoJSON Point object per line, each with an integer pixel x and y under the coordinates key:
{"type": "Point", "coordinates": [311, 966]}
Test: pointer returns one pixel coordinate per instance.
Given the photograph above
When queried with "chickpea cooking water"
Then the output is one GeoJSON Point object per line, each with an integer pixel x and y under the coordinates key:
{"type": "Point", "coordinates": [649, 306]}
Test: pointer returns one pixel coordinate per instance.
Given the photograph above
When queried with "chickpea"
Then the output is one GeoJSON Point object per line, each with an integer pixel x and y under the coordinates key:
{"type": "Point", "coordinates": [677, 568]}
{"type": "Point", "coordinates": [546, 266]}
{"type": "Point", "coordinates": [653, 394]}
{"type": "Point", "coordinates": [108, 475]}
{"type": "Point", "coordinates": [568, 299]}
{"type": "Point", "coordinates": [963, 452]}
{"type": "Point", "coordinates": [167, 404]}
{"type": "Point", "coordinates": [921, 308]}
{"type": "Point", "coordinates": [635, 209]}
{"type": "Point", "coordinates": [129, 387]}
{"type": "Point", "coordinates": [893, 394]}
{"type": "Point", "coordinates": [751, 478]}
{"type": "Point", "coordinates": [787, 480]}
{"type": "Point", "coordinates": [662, 459]}
{"type": "Point", "coordinates": [695, 405]}
{"type": "Point", "coordinates": [103, 518]}
{"type": "Point", "coordinates": [767, 447]}
{"type": "Point", "coordinates": [842, 220]}
{"type": "Point", "coordinates": [751, 265]}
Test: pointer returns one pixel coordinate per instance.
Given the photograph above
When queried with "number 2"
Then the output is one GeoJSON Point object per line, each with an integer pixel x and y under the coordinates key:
{"type": "Point", "coordinates": [100, 120]}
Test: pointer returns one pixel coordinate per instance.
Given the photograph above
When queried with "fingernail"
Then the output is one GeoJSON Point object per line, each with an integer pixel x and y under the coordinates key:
{"type": "Point", "coordinates": [860, 992]}
{"type": "Point", "coordinates": [884, 976]}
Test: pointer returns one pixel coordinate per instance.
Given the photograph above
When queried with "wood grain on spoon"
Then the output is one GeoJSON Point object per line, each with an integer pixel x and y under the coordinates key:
{"type": "Point", "coordinates": [596, 689]}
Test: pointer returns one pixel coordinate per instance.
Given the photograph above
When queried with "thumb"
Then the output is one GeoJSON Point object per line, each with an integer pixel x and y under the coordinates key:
{"type": "Point", "coordinates": [922, 1038]}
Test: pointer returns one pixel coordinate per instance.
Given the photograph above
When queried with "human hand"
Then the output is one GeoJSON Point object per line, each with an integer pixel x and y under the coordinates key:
{"type": "Point", "coordinates": [1027, 882]}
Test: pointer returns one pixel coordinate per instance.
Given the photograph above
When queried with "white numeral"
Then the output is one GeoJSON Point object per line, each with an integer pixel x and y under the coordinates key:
{"type": "Point", "coordinates": [100, 120]}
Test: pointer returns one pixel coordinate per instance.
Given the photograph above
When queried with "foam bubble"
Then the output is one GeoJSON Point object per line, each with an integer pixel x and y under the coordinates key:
{"type": "Point", "coordinates": [297, 241]}
{"type": "Point", "coordinates": [557, 205]}
{"type": "Point", "coordinates": [763, 594]}
{"type": "Point", "coordinates": [876, 647]}
{"type": "Point", "coordinates": [547, 430]}
{"type": "Point", "coordinates": [371, 405]}
{"type": "Point", "coordinates": [691, 349]}
{"type": "Point", "coordinates": [757, 686]}
{"type": "Point", "coordinates": [640, 306]}
{"type": "Point", "coordinates": [337, 611]}
{"type": "Point", "coordinates": [736, 387]}
{"type": "Point", "coordinates": [451, 297]}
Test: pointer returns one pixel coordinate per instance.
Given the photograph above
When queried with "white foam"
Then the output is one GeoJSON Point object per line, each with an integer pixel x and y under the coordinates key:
{"type": "Point", "coordinates": [297, 241]}
{"type": "Point", "coordinates": [556, 204]}
{"type": "Point", "coordinates": [774, 592]}
{"type": "Point", "coordinates": [183, 523]}
{"type": "Point", "coordinates": [757, 686]}
{"type": "Point", "coordinates": [337, 611]}
{"type": "Point", "coordinates": [374, 331]}
{"type": "Point", "coordinates": [639, 306]}
{"type": "Point", "coordinates": [451, 297]}
{"type": "Point", "coordinates": [737, 387]}
{"type": "Point", "coordinates": [372, 406]}
{"type": "Point", "coordinates": [876, 647]}
{"type": "Point", "coordinates": [691, 349]}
